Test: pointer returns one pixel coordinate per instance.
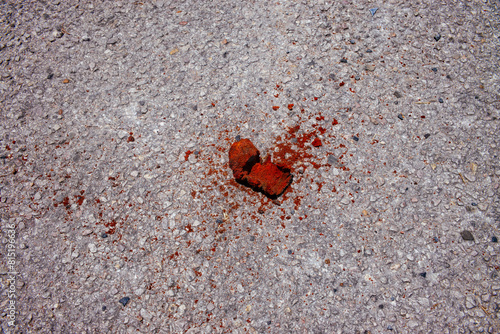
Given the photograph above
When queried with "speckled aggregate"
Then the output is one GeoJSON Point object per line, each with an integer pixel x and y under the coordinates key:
{"type": "Point", "coordinates": [117, 118]}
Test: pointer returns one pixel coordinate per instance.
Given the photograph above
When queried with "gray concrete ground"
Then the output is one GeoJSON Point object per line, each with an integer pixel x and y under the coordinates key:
{"type": "Point", "coordinates": [118, 209]}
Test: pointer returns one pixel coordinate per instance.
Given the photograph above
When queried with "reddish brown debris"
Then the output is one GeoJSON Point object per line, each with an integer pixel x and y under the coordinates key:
{"type": "Point", "coordinates": [242, 156]}
{"type": "Point", "coordinates": [317, 142]}
{"type": "Point", "coordinates": [248, 169]}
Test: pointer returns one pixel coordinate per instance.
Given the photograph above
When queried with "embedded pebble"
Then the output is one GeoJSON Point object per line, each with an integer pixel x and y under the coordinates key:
{"type": "Point", "coordinates": [92, 248]}
{"type": "Point", "coordinates": [467, 235]}
{"type": "Point", "coordinates": [116, 178]}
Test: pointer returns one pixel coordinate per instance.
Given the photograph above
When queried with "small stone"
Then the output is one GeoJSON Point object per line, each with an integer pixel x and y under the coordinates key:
{"type": "Point", "coordinates": [174, 51]}
{"type": "Point", "coordinates": [172, 308]}
{"type": "Point", "coordinates": [345, 200]}
{"type": "Point", "coordinates": [357, 78]}
{"type": "Point", "coordinates": [145, 314]}
{"type": "Point", "coordinates": [369, 51]}
{"type": "Point", "coordinates": [65, 81]}
{"type": "Point", "coordinates": [92, 248]}
{"type": "Point", "coordinates": [124, 301]}
{"type": "Point", "coordinates": [413, 324]}
{"type": "Point", "coordinates": [86, 232]}
{"type": "Point", "coordinates": [355, 138]}
{"type": "Point", "coordinates": [424, 274]}
{"type": "Point", "coordinates": [352, 41]}
{"type": "Point", "coordinates": [104, 235]}
{"type": "Point", "coordinates": [400, 116]}
{"type": "Point", "coordinates": [482, 206]}
{"type": "Point", "coordinates": [434, 69]}
{"type": "Point", "coordinates": [467, 235]}
{"type": "Point", "coordinates": [436, 201]}
{"type": "Point", "coordinates": [370, 67]}
{"type": "Point", "coordinates": [437, 37]}
{"type": "Point", "coordinates": [427, 135]}
{"type": "Point", "coordinates": [473, 168]}
{"type": "Point", "coordinates": [373, 11]}
{"type": "Point", "coordinates": [441, 100]}
{"type": "Point", "coordinates": [494, 239]}
{"type": "Point", "coordinates": [398, 94]}
{"type": "Point", "coordinates": [343, 60]}
{"type": "Point", "coordinates": [290, 252]}
{"type": "Point", "coordinates": [122, 134]}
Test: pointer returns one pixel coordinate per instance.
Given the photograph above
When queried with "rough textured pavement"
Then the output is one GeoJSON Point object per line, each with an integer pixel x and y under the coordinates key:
{"type": "Point", "coordinates": [116, 191]}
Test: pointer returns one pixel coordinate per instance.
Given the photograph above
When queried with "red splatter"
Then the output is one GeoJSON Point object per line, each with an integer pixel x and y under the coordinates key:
{"type": "Point", "coordinates": [79, 199]}
{"type": "Point", "coordinates": [317, 142]}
